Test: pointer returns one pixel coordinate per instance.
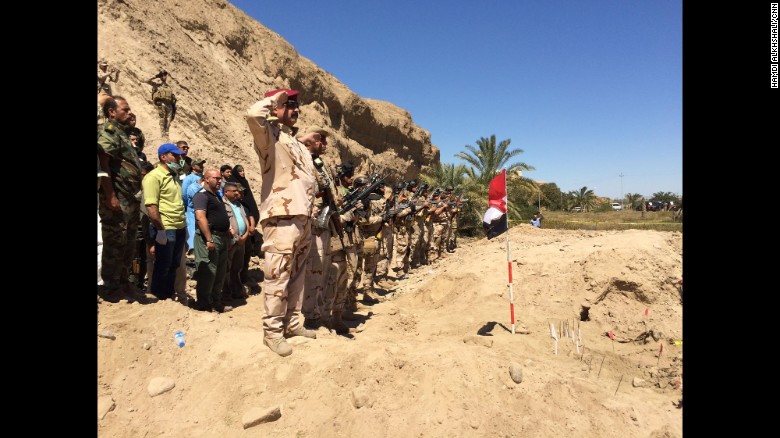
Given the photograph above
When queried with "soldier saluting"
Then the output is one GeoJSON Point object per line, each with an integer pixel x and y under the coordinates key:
{"type": "Point", "coordinates": [287, 197]}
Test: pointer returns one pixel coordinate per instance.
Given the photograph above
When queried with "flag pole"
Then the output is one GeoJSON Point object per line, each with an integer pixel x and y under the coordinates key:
{"type": "Point", "coordinates": [509, 260]}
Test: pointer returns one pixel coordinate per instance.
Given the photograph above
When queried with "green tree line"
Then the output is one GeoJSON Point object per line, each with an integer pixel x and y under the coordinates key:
{"type": "Point", "coordinates": [486, 159]}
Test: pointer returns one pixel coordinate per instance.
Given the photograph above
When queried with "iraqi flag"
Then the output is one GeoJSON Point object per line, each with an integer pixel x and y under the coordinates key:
{"type": "Point", "coordinates": [495, 221]}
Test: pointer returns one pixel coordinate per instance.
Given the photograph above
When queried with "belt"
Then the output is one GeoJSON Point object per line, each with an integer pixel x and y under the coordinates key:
{"type": "Point", "coordinates": [221, 233]}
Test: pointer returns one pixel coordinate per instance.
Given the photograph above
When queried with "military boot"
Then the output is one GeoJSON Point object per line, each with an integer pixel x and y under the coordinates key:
{"type": "Point", "coordinates": [278, 346]}
{"type": "Point", "coordinates": [301, 331]}
{"type": "Point", "coordinates": [386, 284]}
{"type": "Point", "coordinates": [337, 324]}
{"type": "Point", "coordinates": [351, 303]}
{"type": "Point", "coordinates": [368, 296]}
{"type": "Point", "coordinates": [349, 315]}
{"type": "Point", "coordinates": [313, 323]}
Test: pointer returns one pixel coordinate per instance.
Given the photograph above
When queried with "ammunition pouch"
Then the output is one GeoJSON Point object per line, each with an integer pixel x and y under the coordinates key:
{"type": "Point", "coordinates": [323, 219]}
{"type": "Point", "coordinates": [370, 246]}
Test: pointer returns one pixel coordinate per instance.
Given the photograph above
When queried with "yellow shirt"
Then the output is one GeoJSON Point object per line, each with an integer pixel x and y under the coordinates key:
{"type": "Point", "coordinates": [163, 189]}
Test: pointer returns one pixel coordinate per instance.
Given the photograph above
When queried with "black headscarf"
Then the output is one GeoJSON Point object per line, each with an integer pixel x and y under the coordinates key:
{"type": "Point", "coordinates": [249, 199]}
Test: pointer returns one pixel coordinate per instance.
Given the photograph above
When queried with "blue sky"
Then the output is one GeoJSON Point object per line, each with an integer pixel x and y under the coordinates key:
{"type": "Point", "coordinates": [589, 90]}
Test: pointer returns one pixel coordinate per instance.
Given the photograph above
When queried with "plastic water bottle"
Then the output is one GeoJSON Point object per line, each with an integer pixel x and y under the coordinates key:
{"type": "Point", "coordinates": [179, 338]}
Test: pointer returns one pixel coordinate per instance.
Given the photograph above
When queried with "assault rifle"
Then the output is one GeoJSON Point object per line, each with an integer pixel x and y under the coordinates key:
{"type": "Point", "coordinates": [391, 213]}
{"type": "Point", "coordinates": [353, 198]}
{"type": "Point", "coordinates": [326, 216]}
{"type": "Point", "coordinates": [458, 202]}
{"type": "Point", "coordinates": [409, 204]}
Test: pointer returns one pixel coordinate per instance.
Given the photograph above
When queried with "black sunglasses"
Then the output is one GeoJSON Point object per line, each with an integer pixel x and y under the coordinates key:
{"type": "Point", "coordinates": [291, 104]}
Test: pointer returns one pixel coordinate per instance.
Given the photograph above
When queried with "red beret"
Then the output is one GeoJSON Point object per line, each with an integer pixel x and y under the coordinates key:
{"type": "Point", "coordinates": [291, 94]}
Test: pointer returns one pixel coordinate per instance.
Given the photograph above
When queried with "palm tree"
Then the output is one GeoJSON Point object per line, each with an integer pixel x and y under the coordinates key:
{"type": "Point", "coordinates": [584, 198]}
{"type": "Point", "coordinates": [632, 199]}
{"type": "Point", "coordinates": [443, 175]}
{"type": "Point", "coordinates": [489, 158]}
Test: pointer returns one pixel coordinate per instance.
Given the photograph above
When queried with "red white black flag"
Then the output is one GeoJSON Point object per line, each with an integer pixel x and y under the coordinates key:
{"type": "Point", "coordinates": [495, 221]}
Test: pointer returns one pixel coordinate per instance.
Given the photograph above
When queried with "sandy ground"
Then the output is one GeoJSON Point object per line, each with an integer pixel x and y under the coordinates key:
{"type": "Point", "coordinates": [433, 359]}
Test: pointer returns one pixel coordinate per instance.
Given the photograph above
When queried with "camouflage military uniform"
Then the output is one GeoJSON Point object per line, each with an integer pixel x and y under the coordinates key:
{"type": "Point", "coordinates": [402, 228]}
{"type": "Point", "coordinates": [345, 264]}
{"type": "Point", "coordinates": [119, 228]}
{"type": "Point", "coordinates": [319, 261]}
{"type": "Point", "coordinates": [387, 236]}
{"type": "Point", "coordinates": [104, 89]}
{"type": "Point", "coordinates": [371, 244]}
{"type": "Point", "coordinates": [287, 194]}
{"type": "Point", "coordinates": [163, 97]}
{"type": "Point", "coordinates": [439, 232]}
{"type": "Point", "coordinates": [342, 269]}
{"type": "Point", "coordinates": [417, 255]}
{"type": "Point", "coordinates": [104, 77]}
{"type": "Point", "coordinates": [452, 239]}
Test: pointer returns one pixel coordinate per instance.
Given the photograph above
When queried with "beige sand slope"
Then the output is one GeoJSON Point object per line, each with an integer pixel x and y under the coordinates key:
{"type": "Point", "coordinates": [433, 360]}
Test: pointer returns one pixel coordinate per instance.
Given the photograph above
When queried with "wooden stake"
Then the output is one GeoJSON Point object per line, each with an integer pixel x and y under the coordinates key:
{"type": "Point", "coordinates": [621, 379]}
{"type": "Point", "coordinates": [583, 353]}
{"type": "Point", "coordinates": [602, 364]}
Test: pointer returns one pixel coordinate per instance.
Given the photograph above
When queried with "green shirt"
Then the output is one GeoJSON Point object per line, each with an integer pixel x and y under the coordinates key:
{"type": "Point", "coordinates": [123, 161]}
{"type": "Point", "coordinates": [163, 189]}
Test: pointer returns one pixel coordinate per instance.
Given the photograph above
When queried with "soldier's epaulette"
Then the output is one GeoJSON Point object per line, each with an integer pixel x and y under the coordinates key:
{"type": "Point", "coordinates": [109, 127]}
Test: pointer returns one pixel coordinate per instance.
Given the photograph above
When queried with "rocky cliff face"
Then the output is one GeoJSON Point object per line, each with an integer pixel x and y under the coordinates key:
{"type": "Point", "coordinates": [220, 61]}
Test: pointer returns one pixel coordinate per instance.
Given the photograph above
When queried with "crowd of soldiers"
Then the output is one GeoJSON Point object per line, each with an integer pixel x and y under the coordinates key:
{"type": "Point", "coordinates": [394, 228]}
{"type": "Point", "coordinates": [325, 235]}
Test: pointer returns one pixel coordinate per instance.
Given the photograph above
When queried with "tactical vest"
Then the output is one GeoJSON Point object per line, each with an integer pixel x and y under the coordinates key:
{"type": "Point", "coordinates": [162, 94]}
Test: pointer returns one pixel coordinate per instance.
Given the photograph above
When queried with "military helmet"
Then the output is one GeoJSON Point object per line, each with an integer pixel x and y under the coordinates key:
{"type": "Point", "coordinates": [424, 187]}
{"type": "Point", "coordinates": [347, 169]}
{"type": "Point", "coordinates": [448, 189]}
{"type": "Point", "coordinates": [360, 181]}
{"type": "Point", "coordinates": [411, 184]}
{"type": "Point", "coordinates": [399, 186]}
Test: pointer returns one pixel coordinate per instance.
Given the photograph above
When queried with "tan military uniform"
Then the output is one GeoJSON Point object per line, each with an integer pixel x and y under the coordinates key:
{"type": "Point", "coordinates": [319, 261]}
{"type": "Point", "coordinates": [104, 92]}
{"type": "Point", "coordinates": [402, 226]}
{"type": "Point", "coordinates": [343, 266]}
{"type": "Point", "coordinates": [371, 244]}
{"type": "Point", "coordinates": [163, 97]}
{"type": "Point", "coordinates": [439, 231]}
{"type": "Point", "coordinates": [417, 255]}
{"type": "Point", "coordinates": [387, 236]}
{"type": "Point", "coordinates": [287, 194]}
{"type": "Point", "coordinates": [452, 239]}
{"type": "Point", "coordinates": [103, 78]}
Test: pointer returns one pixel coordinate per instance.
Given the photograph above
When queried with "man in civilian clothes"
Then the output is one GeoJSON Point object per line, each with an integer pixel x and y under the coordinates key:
{"type": "Point", "coordinates": [163, 201]}
{"type": "Point", "coordinates": [211, 244]}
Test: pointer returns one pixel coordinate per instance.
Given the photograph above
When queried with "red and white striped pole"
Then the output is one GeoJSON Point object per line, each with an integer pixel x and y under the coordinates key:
{"type": "Point", "coordinates": [509, 263]}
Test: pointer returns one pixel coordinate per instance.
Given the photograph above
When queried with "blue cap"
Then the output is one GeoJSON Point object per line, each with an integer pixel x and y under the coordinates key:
{"type": "Point", "coordinates": [169, 147]}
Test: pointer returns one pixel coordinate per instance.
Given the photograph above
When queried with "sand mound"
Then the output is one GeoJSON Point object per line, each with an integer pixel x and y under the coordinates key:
{"type": "Point", "coordinates": [433, 360]}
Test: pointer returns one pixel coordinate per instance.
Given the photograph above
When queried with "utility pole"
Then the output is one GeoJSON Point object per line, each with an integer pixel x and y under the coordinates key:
{"type": "Point", "coordinates": [621, 190]}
